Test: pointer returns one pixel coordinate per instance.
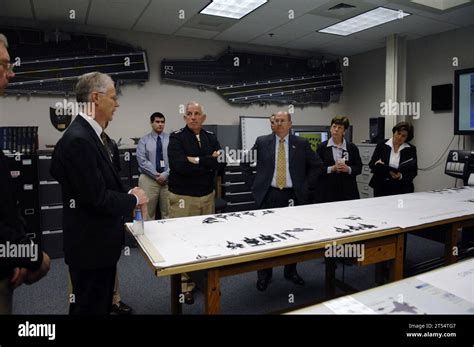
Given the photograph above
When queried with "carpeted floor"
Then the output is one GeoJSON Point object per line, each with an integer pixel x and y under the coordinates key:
{"type": "Point", "coordinates": [147, 294]}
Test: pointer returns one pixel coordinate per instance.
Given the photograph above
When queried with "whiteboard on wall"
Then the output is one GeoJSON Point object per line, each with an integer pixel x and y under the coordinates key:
{"type": "Point", "coordinates": [252, 127]}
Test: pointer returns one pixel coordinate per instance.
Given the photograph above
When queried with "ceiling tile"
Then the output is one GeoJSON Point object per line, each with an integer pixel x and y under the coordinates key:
{"type": "Point", "coordinates": [243, 32]}
{"type": "Point", "coordinates": [16, 8]}
{"type": "Point", "coordinates": [197, 33]}
{"type": "Point", "coordinates": [294, 29]}
{"type": "Point", "coordinates": [163, 16]}
{"type": "Point", "coordinates": [417, 25]}
{"type": "Point", "coordinates": [298, 6]}
{"type": "Point", "coordinates": [349, 46]}
{"type": "Point", "coordinates": [461, 16]}
{"type": "Point", "coordinates": [309, 42]}
{"type": "Point", "coordinates": [120, 14]}
{"type": "Point", "coordinates": [61, 10]}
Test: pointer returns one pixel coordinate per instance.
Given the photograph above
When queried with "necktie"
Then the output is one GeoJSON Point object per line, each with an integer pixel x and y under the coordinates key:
{"type": "Point", "coordinates": [159, 155]}
{"type": "Point", "coordinates": [105, 142]}
{"type": "Point", "coordinates": [281, 165]}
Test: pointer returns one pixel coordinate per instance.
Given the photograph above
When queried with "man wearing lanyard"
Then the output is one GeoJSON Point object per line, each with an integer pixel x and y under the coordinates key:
{"type": "Point", "coordinates": [152, 156]}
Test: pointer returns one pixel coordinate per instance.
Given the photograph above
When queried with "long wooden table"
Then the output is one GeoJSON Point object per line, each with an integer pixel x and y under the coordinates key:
{"type": "Point", "coordinates": [380, 246]}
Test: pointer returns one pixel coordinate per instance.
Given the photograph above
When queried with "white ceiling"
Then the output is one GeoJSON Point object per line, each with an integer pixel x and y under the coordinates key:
{"type": "Point", "coordinates": [279, 23]}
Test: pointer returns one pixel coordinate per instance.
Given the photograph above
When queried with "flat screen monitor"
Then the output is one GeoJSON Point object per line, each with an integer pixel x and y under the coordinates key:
{"type": "Point", "coordinates": [464, 102]}
{"type": "Point", "coordinates": [314, 134]}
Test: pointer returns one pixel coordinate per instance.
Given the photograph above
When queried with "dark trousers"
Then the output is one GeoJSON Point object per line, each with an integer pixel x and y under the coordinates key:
{"type": "Point", "coordinates": [273, 199]}
{"type": "Point", "coordinates": [389, 187]}
{"type": "Point", "coordinates": [92, 290]}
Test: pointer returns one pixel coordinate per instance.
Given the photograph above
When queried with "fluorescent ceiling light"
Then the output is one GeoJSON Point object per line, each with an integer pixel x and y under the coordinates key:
{"type": "Point", "coordinates": [378, 16]}
{"type": "Point", "coordinates": [232, 8]}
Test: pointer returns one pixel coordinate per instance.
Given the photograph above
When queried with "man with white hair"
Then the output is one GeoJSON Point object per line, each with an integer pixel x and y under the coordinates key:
{"type": "Point", "coordinates": [193, 161]}
{"type": "Point", "coordinates": [14, 270]}
{"type": "Point", "coordinates": [94, 197]}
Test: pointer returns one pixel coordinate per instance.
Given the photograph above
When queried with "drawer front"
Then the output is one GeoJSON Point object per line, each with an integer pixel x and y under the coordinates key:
{"type": "Point", "coordinates": [236, 187]}
{"type": "Point", "coordinates": [134, 181]}
{"type": "Point", "coordinates": [235, 197]}
{"type": "Point", "coordinates": [44, 164]}
{"type": "Point", "coordinates": [50, 193]}
{"type": "Point", "coordinates": [365, 191]}
{"type": "Point", "coordinates": [234, 176]}
{"type": "Point", "coordinates": [366, 153]}
{"type": "Point", "coordinates": [365, 176]}
{"type": "Point", "coordinates": [52, 243]}
{"type": "Point", "coordinates": [51, 218]}
{"type": "Point", "coordinates": [134, 164]}
{"type": "Point", "coordinates": [125, 180]}
{"type": "Point", "coordinates": [240, 206]}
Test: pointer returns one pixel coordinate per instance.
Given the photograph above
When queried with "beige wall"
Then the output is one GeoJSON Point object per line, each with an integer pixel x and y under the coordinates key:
{"type": "Point", "coordinates": [429, 62]}
{"type": "Point", "coordinates": [138, 102]}
{"type": "Point", "coordinates": [364, 90]}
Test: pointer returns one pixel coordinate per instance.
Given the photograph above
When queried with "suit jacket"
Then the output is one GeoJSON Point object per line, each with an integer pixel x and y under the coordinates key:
{"type": "Point", "coordinates": [381, 178]}
{"type": "Point", "coordinates": [187, 178]}
{"type": "Point", "coordinates": [304, 166]}
{"type": "Point", "coordinates": [338, 186]}
{"type": "Point", "coordinates": [94, 198]}
{"type": "Point", "coordinates": [12, 225]}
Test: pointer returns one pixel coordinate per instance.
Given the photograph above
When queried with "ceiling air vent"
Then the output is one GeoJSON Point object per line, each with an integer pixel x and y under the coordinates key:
{"type": "Point", "coordinates": [340, 6]}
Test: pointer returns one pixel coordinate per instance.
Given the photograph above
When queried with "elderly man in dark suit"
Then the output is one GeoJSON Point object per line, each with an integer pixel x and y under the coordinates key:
{"type": "Point", "coordinates": [94, 198]}
{"type": "Point", "coordinates": [286, 169]}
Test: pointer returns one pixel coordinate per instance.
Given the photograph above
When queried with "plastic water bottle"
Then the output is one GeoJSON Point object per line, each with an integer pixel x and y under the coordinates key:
{"type": "Point", "coordinates": [138, 226]}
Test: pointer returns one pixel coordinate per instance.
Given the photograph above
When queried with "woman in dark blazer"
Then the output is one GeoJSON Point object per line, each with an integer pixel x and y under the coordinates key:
{"type": "Point", "coordinates": [341, 165]}
{"type": "Point", "coordinates": [394, 163]}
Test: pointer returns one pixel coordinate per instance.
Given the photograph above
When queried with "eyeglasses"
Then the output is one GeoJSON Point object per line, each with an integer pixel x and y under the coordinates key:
{"type": "Point", "coordinates": [114, 98]}
{"type": "Point", "coordinates": [7, 65]}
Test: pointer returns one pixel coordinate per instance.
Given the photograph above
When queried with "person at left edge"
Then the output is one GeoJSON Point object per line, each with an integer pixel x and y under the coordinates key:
{"type": "Point", "coordinates": [94, 198]}
{"type": "Point", "coordinates": [14, 270]}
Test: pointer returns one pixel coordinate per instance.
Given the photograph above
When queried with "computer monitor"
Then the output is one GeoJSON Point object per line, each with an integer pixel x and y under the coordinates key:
{"type": "Point", "coordinates": [314, 134]}
{"type": "Point", "coordinates": [464, 102]}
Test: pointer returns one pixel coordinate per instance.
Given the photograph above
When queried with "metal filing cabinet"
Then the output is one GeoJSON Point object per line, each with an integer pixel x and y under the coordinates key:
{"type": "Point", "coordinates": [24, 171]}
{"type": "Point", "coordinates": [236, 189]}
{"type": "Point", "coordinates": [51, 206]}
{"type": "Point", "coordinates": [127, 156]}
{"type": "Point", "coordinates": [366, 150]}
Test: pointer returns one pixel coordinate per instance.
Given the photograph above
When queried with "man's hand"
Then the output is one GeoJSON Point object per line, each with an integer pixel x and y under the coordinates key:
{"type": "Point", "coordinates": [379, 162]}
{"type": "Point", "coordinates": [161, 180]}
{"type": "Point", "coordinates": [192, 160]}
{"type": "Point", "coordinates": [23, 275]}
{"type": "Point", "coordinates": [35, 276]}
{"type": "Point", "coordinates": [140, 194]}
{"type": "Point", "coordinates": [144, 209]}
{"type": "Point", "coordinates": [395, 176]}
{"type": "Point", "coordinates": [215, 154]}
{"type": "Point", "coordinates": [19, 275]}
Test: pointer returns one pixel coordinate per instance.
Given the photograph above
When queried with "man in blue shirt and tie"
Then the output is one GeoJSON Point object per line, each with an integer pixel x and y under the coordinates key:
{"type": "Point", "coordinates": [152, 156]}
